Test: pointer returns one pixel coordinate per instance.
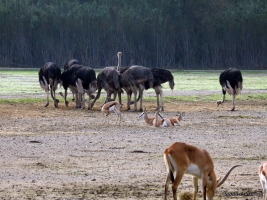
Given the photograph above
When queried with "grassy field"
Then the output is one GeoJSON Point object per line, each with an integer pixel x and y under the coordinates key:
{"type": "Point", "coordinates": [15, 84]}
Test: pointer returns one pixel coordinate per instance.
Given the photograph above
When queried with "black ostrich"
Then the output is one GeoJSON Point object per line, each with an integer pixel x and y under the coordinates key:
{"type": "Point", "coordinates": [232, 82]}
{"type": "Point", "coordinates": [108, 79]}
{"type": "Point", "coordinates": [160, 76]}
{"type": "Point", "coordinates": [68, 81]}
{"type": "Point", "coordinates": [80, 80]}
{"type": "Point", "coordinates": [132, 80]}
{"type": "Point", "coordinates": [50, 75]}
{"type": "Point", "coordinates": [86, 83]}
{"type": "Point", "coordinates": [67, 66]}
{"type": "Point", "coordinates": [70, 63]}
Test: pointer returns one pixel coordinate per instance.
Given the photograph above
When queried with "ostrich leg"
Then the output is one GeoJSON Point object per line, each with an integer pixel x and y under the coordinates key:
{"type": "Point", "coordinates": [233, 95]}
{"type": "Point", "coordinates": [47, 95]}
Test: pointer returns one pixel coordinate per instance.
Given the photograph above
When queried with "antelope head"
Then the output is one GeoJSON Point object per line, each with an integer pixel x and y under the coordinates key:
{"type": "Point", "coordinates": [143, 113]}
{"type": "Point", "coordinates": [180, 116]}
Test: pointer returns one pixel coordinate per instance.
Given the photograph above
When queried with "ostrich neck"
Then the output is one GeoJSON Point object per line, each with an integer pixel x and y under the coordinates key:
{"type": "Point", "coordinates": [119, 62]}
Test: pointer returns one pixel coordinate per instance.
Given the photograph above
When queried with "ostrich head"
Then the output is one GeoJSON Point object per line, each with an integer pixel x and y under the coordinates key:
{"type": "Point", "coordinates": [219, 102]}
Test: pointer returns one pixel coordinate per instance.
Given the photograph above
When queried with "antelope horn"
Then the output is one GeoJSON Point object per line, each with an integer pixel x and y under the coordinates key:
{"type": "Point", "coordinates": [160, 115]}
{"type": "Point", "coordinates": [178, 113]}
{"type": "Point", "coordinates": [226, 176]}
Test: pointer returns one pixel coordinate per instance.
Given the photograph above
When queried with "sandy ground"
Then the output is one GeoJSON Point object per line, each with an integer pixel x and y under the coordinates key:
{"type": "Point", "coordinates": [67, 153]}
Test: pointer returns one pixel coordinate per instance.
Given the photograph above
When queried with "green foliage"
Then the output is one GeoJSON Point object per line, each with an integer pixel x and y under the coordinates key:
{"type": "Point", "coordinates": [183, 34]}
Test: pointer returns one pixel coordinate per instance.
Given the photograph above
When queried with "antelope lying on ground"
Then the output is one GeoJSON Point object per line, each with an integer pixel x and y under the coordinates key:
{"type": "Point", "coordinates": [176, 121]}
{"type": "Point", "coordinates": [112, 105]}
{"type": "Point", "coordinates": [148, 120]}
{"type": "Point", "coordinates": [162, 122]}
{"type": "Point", "coordinates": [263, 178]}
{"type": "Point", "coordinates": [182, 158]}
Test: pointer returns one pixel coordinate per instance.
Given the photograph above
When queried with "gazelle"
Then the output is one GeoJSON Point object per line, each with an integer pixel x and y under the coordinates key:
{"type": "Point", "coordinates": [148, 120]}
{"type": "Point", "coordinates": [162, 122]}
{"type": "Point", "coordinates": [263, 178]}
{"type": "Point", "coordinates": [112, 105]}
{"type": "Point", "coordinates": [176, 121]}
{"type": "Point", "coordinates": [182, 158]}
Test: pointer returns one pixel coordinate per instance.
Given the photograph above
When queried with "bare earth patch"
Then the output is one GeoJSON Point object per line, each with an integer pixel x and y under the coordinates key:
{"type": "Point", "coordinates": [66, 153]}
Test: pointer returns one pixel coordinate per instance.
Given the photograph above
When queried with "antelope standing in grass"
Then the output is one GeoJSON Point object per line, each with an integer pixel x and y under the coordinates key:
{"type": "Point", "coordinates": [112, 105]}
{"type": "Point", "coordinates": [182, 158]}
{"type": "Point", "coordinates": [263, 178]}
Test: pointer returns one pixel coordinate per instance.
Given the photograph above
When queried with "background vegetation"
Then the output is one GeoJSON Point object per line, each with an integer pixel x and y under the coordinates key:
{"type": "Point", "coordinates": [22, 85]}
{"type": "Point", "coordinates": [185, 34]}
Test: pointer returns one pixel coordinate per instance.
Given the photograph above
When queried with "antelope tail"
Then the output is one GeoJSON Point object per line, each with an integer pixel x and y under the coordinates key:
{"type": "Point", "coordinates": [169, 166]}
{"type": "Point", "coordinates": [226, 176]}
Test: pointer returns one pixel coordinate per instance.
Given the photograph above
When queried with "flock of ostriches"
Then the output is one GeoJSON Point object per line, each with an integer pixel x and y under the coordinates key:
{"type": "Point", "coordinates": [180, 158]}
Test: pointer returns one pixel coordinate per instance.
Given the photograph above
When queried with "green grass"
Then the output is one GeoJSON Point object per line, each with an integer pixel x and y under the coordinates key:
{"type": "Point", "coordinates": [209, 80]}
{"type": "Point", "coordinates": [19, 82]}
{"type": "Point", "coordinates": [23, 99]}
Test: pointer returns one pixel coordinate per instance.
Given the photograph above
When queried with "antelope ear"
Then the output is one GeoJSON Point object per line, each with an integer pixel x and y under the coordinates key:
{"type": "Point", "coordinates": [218, 179]}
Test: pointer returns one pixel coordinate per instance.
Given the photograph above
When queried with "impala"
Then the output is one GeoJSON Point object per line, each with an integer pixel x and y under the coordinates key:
{"type": "Point", "coordinates": [182, 158]}
{"type": "Point", "coordinates": [112, 105]}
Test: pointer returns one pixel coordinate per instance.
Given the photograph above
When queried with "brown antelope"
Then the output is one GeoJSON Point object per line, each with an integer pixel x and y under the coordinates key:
{"type": "Point", "coordinates": [176, 121]}
{"type": "Point", "coordinates": [148, 120]}
{"type": "Point", "coordinates": [112, 105]}
{"type": "Point", "coordinates": [162, 122]}
{"type": "Point", "coordinates": [182, 158]}
{"type": "Point", "coordinates": [263, 178]}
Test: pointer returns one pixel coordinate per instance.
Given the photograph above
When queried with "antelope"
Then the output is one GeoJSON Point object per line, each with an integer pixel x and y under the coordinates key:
{"type": "Point", "coordinates": [148, 120]}
{"type": "Point", "coordinates": [163, 122]}
{"type": "Point", "coordinates": [263, 178]}
{"type": "Point", "coordinates": [112, 105]}
{"type": "Point", "coordinates": [176, 121]}
{"type": "Point", "coordinates": [183, 159]}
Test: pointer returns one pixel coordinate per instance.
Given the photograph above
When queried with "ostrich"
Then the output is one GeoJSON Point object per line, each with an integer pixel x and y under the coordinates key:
{"type": "Point", "coordinates": [160, 76]}
{"type": "Point", "coordinates": [86, 82]}
{"type": "Point", "coordinates": [50, 75]}
{"type": "Point", "coordinates": [79, 79]}
{"type": "Point", "coordinates": [67, 66]}
{"type": "Point", "coordinates": [232, 82]}
{"type": "Point", "coordinates": [71, 63]}
{"type": "Point", "coordinates": [108, 79]}
{"type": "Point", "coordinates": [133, 80]}
{"type": "Point", "coordinates": [68, 81]}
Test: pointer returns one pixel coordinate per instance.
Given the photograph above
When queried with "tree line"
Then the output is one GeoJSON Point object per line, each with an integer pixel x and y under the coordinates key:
{"type": "Point", "coordinates": [180, 34]}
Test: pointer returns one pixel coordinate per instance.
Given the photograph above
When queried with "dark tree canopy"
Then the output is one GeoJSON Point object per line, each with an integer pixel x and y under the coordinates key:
{"type": "Point", "coordinates": [185, 34]}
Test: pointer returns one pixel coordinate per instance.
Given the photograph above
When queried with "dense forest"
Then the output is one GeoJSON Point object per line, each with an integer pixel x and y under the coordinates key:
{"type": "Point", "coordinates": [181, 34]}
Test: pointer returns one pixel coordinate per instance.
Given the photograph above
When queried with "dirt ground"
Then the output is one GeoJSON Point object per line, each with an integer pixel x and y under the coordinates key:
{"type": "Point", "coordinates": [67, 153]}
